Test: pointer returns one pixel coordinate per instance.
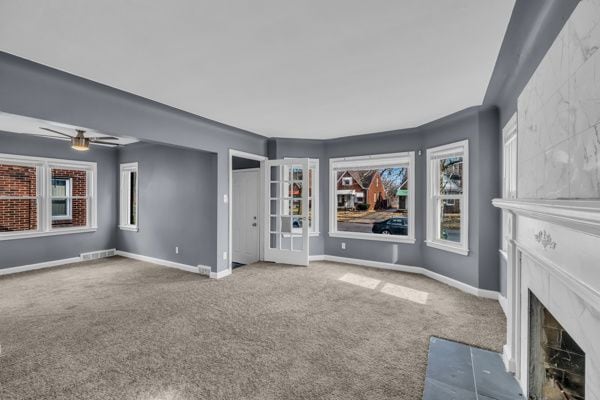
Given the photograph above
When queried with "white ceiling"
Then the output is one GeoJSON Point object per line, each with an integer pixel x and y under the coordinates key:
{"type": "Point", "coordinates": [303, 69]}
{"type": "Point", "coordinates": [31, 126]}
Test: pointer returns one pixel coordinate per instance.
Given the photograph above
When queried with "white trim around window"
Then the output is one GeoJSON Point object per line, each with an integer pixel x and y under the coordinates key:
{"type": "Point", "coordinates": [129, 197]}
{"type": "Point", "coordinates": [435, 198]}
{"type": "Point", "coordinates": [378, 161]}
{"type": "Point", "coordinates": [43, 196]}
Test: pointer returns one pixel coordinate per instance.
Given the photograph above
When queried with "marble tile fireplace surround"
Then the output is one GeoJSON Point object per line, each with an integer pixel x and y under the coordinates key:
{"type": "Point", "coordinates": [553, 259]}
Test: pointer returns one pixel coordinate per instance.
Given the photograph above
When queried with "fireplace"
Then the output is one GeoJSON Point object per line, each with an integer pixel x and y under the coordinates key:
{"type": "Point", "coordinates": [556, 362]}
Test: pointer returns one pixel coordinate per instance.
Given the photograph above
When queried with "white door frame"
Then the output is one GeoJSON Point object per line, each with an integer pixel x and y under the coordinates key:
{"type": "Point", "coordinates": [261, 199]}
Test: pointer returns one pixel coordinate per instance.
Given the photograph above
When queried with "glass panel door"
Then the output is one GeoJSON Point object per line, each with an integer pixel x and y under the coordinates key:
{"type": "Point", "coordinates": [287, 211]}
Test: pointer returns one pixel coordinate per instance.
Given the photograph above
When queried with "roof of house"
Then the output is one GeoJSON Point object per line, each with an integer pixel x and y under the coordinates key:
{"type": "Point", "coordinates": [363, 178]}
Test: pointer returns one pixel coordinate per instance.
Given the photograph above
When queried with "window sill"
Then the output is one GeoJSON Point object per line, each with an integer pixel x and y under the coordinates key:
{"type": "Point", "coordinates": [128, 228]}
{"type": "Point", "coordinates": [60, 231]}
{"type": "Point", "coordinates": [376, 237]}
{"type": "Point", "coordinates": [446, 247]}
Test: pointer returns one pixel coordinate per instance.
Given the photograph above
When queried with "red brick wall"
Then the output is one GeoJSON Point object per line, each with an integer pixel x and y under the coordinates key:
{"type": "Point", "coordinates": [79, 188]}
{"type": "Point", "coordinates": [17, 214]}
{"type": "Point", "coordinates": [21, 214]}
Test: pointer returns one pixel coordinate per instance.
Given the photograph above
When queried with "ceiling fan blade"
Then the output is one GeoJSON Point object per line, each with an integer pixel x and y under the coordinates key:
{"type": "Point", "coordinates": [46, 136]}
{"type": "Point", "coordinates": [95, 139]}
{"type": "Point", "coordinates": [102, 142]}
{"type": "Point", "coordinates": [52, 130]}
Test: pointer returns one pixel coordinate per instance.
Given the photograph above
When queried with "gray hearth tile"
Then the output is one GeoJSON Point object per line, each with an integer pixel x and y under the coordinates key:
{"type": "Point", "coordinates": [491, 378]}
{"type": "Point", "coordinates": [450, 363]}
{"type": "Point", "coordinates": [435, 390]}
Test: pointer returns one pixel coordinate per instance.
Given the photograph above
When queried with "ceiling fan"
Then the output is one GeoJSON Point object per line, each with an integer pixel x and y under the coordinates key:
{"type": "Point", "coordinates": [81, 142]}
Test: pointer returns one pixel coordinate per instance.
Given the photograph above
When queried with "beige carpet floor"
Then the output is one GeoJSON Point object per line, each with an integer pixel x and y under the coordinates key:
{"type": "Point", "coordinates": [125, 329]}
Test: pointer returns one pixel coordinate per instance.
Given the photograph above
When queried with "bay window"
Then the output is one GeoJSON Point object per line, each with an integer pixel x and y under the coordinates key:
{"type": "Point", "coordinates": [447, 196]}
{"type": "Point", "coordinates": [44, 196]}
{"type": "Point", "coordinates": [372, 197]}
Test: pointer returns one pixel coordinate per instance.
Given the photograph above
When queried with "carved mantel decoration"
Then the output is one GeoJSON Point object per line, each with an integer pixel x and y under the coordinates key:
{"type": "Point", "coordinates": [545, 239]}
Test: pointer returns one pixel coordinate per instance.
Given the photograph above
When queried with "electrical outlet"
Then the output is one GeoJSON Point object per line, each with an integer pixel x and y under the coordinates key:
{"type": "Point", "coordinates": [176, 249]}
{"type": "Point", "coordinates": [343, 245]}
{"type": "Point", "coordinates": [224, 255]}
{"type": "Point", "coordinates": [225, 199]}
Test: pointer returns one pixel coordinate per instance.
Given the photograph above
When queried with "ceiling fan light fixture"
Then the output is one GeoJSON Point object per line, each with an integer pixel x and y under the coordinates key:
{"type": "Point", "coordinates": [80, 143]}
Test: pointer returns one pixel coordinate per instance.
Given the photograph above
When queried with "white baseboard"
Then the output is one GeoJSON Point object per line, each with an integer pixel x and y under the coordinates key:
{"type": "Point", "coordinates": [503, 303]}
{"type": "Point", "coordinates": [488, 294]}
{"type": "Point", "coordinates": [320, 257]}
{"type": "Point", "coordinates": [220, 274]}
{"type": "Point", "coordinates": [46, 264]}
{"type": "Point", "coordinates": [166, 263]}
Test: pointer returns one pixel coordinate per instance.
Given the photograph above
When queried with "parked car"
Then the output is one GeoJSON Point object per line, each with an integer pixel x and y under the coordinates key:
{"type": "Point", "coordinates": [391, 226]}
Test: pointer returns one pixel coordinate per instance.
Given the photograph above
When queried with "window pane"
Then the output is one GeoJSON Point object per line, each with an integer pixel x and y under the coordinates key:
{"type": "Point", "coordinates": [373, 201]}
{"type": "Point", "coordinates": [71, 212]}
{"type": "Point", "coordinates": [59, 188]}
{"type": "Point", "coordinates": [18, 181]}
{"type": "Point", "coordinates": [18, 215]}
{"type": "Point", "coordinates": [60, 208]}
{"type": "Point", "coordinates": [75, 178]}
{"type": "Point", "coordinates": [133, 198]}
{"type": "Point", "coordinates": [451, 175]}
{"type": "Point", "coordinates": [77, 215]}
{"type": "Point", "coordinates": [450, 220]}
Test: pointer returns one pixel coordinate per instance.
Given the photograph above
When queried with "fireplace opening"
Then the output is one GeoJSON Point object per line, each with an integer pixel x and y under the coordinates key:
{"type": "Point", "coordinates": [556, 362]}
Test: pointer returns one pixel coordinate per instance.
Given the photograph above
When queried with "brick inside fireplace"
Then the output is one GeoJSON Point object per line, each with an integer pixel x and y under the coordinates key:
{"type": "Point", "coordinates": [556, 362]}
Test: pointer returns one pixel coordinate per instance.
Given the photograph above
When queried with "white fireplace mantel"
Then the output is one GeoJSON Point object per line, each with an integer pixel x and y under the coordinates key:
{"type": "Point", "coordinates": [554, 252]}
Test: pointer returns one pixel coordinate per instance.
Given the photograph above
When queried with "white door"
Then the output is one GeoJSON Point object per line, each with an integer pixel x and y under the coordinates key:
{"type": "Point", "coordinates": [245, 207]}
{"type": "Point", "coordinates": [286, 211]}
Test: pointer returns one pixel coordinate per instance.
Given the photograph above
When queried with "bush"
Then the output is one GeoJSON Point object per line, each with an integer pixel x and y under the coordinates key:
{"type": "Point", "coordinates": [362, 207]}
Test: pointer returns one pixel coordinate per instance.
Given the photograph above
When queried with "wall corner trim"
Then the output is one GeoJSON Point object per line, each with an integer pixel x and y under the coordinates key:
{"type": "Point", "coordinates": [484, 293]}
{"type": "Point", "coordinates": [45, 264]}
{"type": "Point", "coordinates": [220, 274]}
{"type": "Point", "coordinates": [158, 261]}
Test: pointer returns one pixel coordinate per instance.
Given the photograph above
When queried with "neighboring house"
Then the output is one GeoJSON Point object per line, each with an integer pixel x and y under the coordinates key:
{"type": "Point", "coordinates": [360, 187]}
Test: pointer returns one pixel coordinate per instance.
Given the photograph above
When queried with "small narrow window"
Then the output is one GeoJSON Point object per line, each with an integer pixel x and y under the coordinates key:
{"type": "Point", "coordinates": [447, 190]}
{"type": "Point", "coordinates": [129, 197]}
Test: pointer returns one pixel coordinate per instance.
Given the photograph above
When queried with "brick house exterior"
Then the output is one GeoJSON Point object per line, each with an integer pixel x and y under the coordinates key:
{"type": "Point", "coordinates": [20, 214]}
{"type": "Point", "coordinates": [358, 187]}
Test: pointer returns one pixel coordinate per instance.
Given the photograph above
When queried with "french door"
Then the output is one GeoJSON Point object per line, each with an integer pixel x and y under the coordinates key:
{"type": "Point", "coordinates": [287, 211]}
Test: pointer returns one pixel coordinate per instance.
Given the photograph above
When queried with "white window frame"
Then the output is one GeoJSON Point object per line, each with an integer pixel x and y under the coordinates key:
{"type": "Point", "coordinates": [124, 197]}
{"type": "Point", "coordinates": [372, 162]}
{"type": "Point", "coordinates": [313, 230]}
{"type": "Point", "coordinates": [43, 196]}
{"type": "Point", "coordinates": [433, 197]}
{"type": "Point", "coordinates": [68, 198]}
{"type": "Point", "coordinates": [509, 173]}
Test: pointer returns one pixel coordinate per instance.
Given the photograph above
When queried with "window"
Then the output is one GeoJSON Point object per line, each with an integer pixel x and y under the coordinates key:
{"type": "Point", "coordinates": [61, 199]}
{"type": "Point", "coordinates": [44, 196]}
{"type": "Point", "coordinates": [380, 203]}
{"type": "Point", "coordinates": [509, 172]}
{"type": "Point", "coordinates": [129, 197]}
{"type": "Point", "coordinates": [313, 198]}
{"type": "Point", "coordinates": [448, 196]}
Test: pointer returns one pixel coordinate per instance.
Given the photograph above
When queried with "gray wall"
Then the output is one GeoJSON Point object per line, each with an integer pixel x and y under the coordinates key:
{"type": "Point", "coordinates": [33, 90]}
{"type": "Point", "coordinates": [177, 204]}
{"type": "Point", "coordinates": [480, 127]}
{"type": "Point", "coordinates": [35, 250]}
